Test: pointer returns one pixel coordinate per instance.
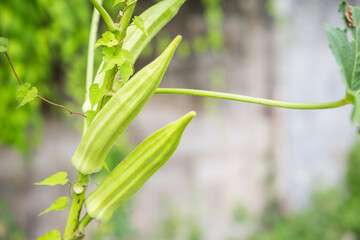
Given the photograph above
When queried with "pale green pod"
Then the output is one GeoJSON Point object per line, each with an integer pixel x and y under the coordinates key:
{"type": "Point", "coordinates": [155, 18]}
{"type": "Point", "coordinates": [117, 114]}
{"type": "Point", "coordinates": [132, 173]}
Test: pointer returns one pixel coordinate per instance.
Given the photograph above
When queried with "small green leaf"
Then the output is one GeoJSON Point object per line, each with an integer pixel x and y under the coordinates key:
{"type": "Point", "coordinates": [56, 179]}
{"type": "Point", "coordinates": [117, 2]}
{"type": "Point", "coordinates": [126, 70]}
{"type": "Point", "coordinates": [139, 22]}
{"type": "Point", "coordinates": [53, 235]}
{"type": "Point", "coordinates": [108, 39]}
{"type": "Point", "coordinates": [90, 116]}
{"type": "Point", "coordinates": [24, 94]}
{"type": "Point", "coordinates": [3, 44]}
{"type": "Point", "coordinates": [111, 58]}
{"type": "Point", "coordinates": [60, 204]}
{"type": "Point", "coordinates": [96, 94]}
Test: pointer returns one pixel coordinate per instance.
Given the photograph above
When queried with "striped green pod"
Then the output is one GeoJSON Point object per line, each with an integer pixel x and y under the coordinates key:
{"type": "Point", "coordinates": [132, 173]}
{"type": "Point", "coordinates": [117, 114]}
{"type": "Point", "coordinates": [155, 18]}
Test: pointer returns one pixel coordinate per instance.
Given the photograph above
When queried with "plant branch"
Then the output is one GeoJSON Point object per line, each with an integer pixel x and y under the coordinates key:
{"type": "Point", "coordinates": [256, 100]}
{"type": "Point", "coordinates": [105, 15]}
{"type": "Point", "coordinates": [42, 98]}
{"type": "Point", "coordinates": [75, 208]}
{"type": "Point", "coordinates": [83, 224]}
{"type": "Point", "coordinates": [61, 106]}
{"type": "Point", "coordinates": [91, 51]}
{"type": "Point", "coordinates": [13, 69]}
{"type": "Point", "coordinates": [126, 18]}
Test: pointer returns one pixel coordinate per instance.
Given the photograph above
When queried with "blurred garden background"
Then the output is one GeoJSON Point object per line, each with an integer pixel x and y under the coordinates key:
{"type": "Point", "coordinates": [242, 171]}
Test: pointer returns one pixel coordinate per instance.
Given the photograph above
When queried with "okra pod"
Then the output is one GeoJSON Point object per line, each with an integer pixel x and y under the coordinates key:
{"type": "Point", "coordinates": [155, 18]}
{"type": "Point", "coordinates": [132, 173]}
{"type": "Point", "coordinates": [117, 114]}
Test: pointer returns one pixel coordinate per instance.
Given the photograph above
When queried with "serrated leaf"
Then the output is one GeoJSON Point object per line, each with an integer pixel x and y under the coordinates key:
{"type": "Point", "coordinates": [90, 116]}
{"type": "Point", "coordinates": [111, 58]}
{"type": "Point", "coordinates": [3, 44]}
{"type": "Point", "coordinates": [53, 235]}
{"type": "Point", "coordinates": [108, 39]}
{"type": "Point", "coordinates": [25, 95]}
{"type": "Point", "coordinates": [139, 22]}
{"type": "Point", "coordinates": [60, 204]}
{"type": "Point", "coordinates": [126, 70]}
{"type": "Point", "coordinates": [117, 2]}
{"type": "Point", "coordinates": [59, 178]}
{"type": "Point", "coordinates": [96, 94]}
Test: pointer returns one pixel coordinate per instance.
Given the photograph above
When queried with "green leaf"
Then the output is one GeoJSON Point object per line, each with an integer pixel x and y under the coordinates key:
{"type": "Point", "coordinates": [24, 94]}
{"type": "Point", "coordinates": [117, 2]}
{"type": "Point", "coordinates": [126, 70]}
{"type": "Point", "coordinates": [139, 22]}
{"type": "Point", "coordinates": [96, 94]}
{"type": "Point", "coordinates": [112, 57]}
{"type": "Point", "coordinates": [59, 178]}
{"type": "Point", "coordinates": [53, 235]}
{"type": "Point", "coordinates": [3, 44]}
{"type": "Point", "coordinates": [60, 204]}
{"type": "Point", "coordinates": [347, 54]}
{"type": "Point", "coordinates": [108, 39]}
{"type": "Point", "coordinates": [90, 116]}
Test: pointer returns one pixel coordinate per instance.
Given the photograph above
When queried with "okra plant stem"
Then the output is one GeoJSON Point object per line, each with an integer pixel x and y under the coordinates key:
{"type": "Point", "coordinates": [105, 15]}
{"type": "Point", "coordinates": [83, 223]}
{"type": "Point", "coordinates": [92, 39]}
{"type": "Point", "coordinates": [126, 18]}
{"type": "Point", "coordinates": [78, 199]}
{"type": "Point", "coordinates": [262, 101]}
{"type": "Point", "coordinates": [75, 208]}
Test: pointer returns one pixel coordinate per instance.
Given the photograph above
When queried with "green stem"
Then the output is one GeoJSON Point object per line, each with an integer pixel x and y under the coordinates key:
{"type": "Point", "coordinates": [82, 225]}
{"type": "Point", "coordinates": [105, 15]}
{"type": "Point", "coordinates": [92, 40]}
{"type": "Point", "coordinates": [75, 208]}
{"type": "Point", "coordinates": [126, 18]}
{"type": "Point", "coordinates": [256, 100]}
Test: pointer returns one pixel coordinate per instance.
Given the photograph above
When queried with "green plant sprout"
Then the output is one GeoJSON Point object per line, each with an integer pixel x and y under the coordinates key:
{"type": "Point", "coordinates": [115, 97]}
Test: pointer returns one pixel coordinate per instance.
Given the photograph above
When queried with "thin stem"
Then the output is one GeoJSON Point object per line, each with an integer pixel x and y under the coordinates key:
{"type": "Point", "coordinates": [92, 39]}
{"type": "Point", "coordinates": [75, 208]}
{"type": "Point", "coordinates": [61, 106]}
{"type": "Point", "coordinates": [105, 15]}
{"type": "Point", "coordinates": [126, 18]}
{"type": "Point", "coordinates": [256, 100]}
{"type": "Point", "coordinates": [42, 98]}
{"type": "Point", "coordinates": [82, 225]}
{"type": "Point", "coordinates": [12, 67]}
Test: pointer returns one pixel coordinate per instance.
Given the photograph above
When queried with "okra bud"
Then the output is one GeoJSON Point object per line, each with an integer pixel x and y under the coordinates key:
{"type": "Point", "coordinates": [117, 114]}
{"type": "Point", "coordinates": [132, 173]}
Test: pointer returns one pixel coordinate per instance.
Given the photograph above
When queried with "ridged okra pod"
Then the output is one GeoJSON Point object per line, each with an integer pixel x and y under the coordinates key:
{"type": "Point", "coordinates": [117, 114]}
{"type": "Point", "coordinates": [155, 18]}
{"type": "Point", "coordinates": [132, 173]}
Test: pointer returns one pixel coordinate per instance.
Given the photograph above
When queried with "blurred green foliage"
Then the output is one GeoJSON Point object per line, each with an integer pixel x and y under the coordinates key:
{"type": "Point", "coordinates": [331, 215]}
{"type": "Point", "coordinates": [48, 43]}
{"type": "Point", "coordinates": [8, 227]}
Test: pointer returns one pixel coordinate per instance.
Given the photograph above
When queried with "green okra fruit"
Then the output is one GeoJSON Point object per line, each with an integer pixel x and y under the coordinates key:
{"type": "Point", "coordinates": [155, 18]}
{"type": "Point", "coordinates": [132, 173]}
{"type": "Point", "coordinates": [117, 114]}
